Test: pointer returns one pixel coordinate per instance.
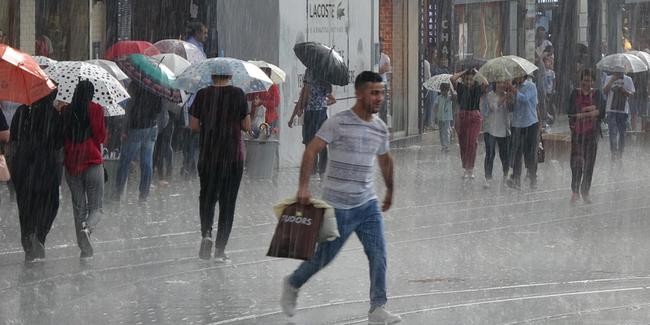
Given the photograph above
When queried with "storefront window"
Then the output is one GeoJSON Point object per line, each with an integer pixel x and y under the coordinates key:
{"type": "Point", "coordinates": [57, 35]}
{"type": "Point", "coordinates": [482, 37]}
{"type": "Point", "coordinates": [8, 22]}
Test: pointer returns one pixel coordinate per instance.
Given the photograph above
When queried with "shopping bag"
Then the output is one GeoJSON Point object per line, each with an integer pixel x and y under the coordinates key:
{"type": "Point", "coordinates": [297, 231]}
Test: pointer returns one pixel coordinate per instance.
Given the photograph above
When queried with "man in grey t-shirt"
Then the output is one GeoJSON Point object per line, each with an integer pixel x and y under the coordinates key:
{"type": "Point", "coordinates": [355, 138]}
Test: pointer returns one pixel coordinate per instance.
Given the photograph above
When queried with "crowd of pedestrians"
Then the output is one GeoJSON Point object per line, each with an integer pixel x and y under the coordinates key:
{"type": "Point", "coordinates": [50, 140]}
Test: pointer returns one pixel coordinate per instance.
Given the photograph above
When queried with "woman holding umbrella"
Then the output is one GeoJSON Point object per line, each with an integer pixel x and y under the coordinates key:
{"type": "Point", "coordinates": [36, 140]}
{"type": "Point", "coordinates": [468, 123]}
{"type": "Point", "coordinates": [586, 108]}
{"type": "Point", "coordinates": [85, 133]}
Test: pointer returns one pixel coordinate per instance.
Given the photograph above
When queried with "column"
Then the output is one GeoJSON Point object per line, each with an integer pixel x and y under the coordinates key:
{"type": "Point", "coordinates": [27, 26]}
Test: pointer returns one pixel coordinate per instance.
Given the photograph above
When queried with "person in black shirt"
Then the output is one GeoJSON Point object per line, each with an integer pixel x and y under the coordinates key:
{"type": "Point", "coordinates": [469, 120]}
{"type": "Point", "coordinates": [219, 114]}
{"type": "Point", "coordinates": [36, 142]}
{"type": "Point", "coordinates": [139, 137]}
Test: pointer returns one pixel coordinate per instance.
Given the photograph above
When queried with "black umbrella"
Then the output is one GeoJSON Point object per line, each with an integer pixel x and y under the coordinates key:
{"type": "Point", "coordinates": [326, 64]}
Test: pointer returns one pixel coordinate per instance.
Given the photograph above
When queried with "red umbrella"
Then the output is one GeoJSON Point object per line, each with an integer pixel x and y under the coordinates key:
{"type": "Point", "coordinates": [124, 48]}
{"type": "Point", "coordinates": [21, 79]}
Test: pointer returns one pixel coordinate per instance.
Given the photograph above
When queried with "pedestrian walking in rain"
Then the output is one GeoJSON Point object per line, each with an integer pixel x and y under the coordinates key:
{"type": "Point", "coordinates": [85, 133]}
{"type": "Point", "coordinates": [315, 96]}
{"type": "Point", "coordinates": [163, 153]}
{"type": "Point", "coordinates": [496, 125]}
{"type": "Point", "coordinates": [468, 121]}
{"type": "Point", "coordinates": [270, 99]}
{"type": "Point", "coordinates": [197, 34]}
{"type": "Point", "coordinates": [36, 141]}
{"type": "Point", "coordinates": [618, 87]}
{"type": "Point", "coordinates": [356, 138]}
{"type": "Point", "coordinates": [524, 131]}
{"type": "Point", "coordinates": [139, 135]}
{"type": "Point", "coordinates": [444, 107]}
{"type": "Point", "coordinates": [219, 114]}
{"type": "Point", "coordinates": [585, 108]}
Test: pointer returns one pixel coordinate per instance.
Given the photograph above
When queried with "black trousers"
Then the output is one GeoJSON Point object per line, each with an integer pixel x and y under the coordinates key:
{"type": "Point", "coordinates": [36, 211]}
{"type": "Point", "coordinates": [524, 144]}
{"type": "Point", "coordinates": [219, 184]}
{"type": "Point", "coordinates": [163, 153]}
{"type": "Point", "coordinates": [583, 160]}
{"type": "Point", "coordinates": [491, 143]}
{"type": "Point", "coordinates": [313, 120]}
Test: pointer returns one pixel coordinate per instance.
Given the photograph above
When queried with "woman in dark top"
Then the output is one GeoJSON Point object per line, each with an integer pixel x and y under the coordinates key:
{"type": "Point", "coordinates": [219, 113]}
{"type": "Point", "coordinates": [36, 142]}
{"type": "Point", "coordinates": [469, 120]}
{"type": "Point", "coordinates": [585, 107]}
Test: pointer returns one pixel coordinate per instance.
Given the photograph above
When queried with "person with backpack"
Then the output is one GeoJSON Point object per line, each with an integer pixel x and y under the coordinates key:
{"type": "Point", "coordinates": [35, 143]}
{"type": "Point", "coordinates": [585, 108]}
{"type": "Point", "coordinates": [618, 88]}
{"type": "Point", "coordinates": [85, 132]}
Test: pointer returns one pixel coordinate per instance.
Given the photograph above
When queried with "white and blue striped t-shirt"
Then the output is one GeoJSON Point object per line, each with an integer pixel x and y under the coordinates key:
{"type": "Point", "coordinates": [353, 146]}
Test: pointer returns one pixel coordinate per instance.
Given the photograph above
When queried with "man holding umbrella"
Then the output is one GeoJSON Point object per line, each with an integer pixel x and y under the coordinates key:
{"type": "Point", "coordinates": [325, 67]}
{"type": "Point", "coordinates": [315, 96]}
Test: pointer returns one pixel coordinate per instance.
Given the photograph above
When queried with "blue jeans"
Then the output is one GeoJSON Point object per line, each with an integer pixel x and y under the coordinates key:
{"type": "Point", "coordinates": [616, 124]}
{"type": "Point", "coordinates": [445, 133]}
{"type": "Point", "coordinates": [366, 221]}
{"type": "Point", "coordinates": [138, 141]}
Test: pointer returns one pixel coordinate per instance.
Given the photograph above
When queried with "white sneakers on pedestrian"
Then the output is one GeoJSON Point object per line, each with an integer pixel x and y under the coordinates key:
{"type": "Point", "coordinates": [381, 316]}
{"type": "Point", "coordinates": [487, 184]}
{"type": "Point", "coordinates": [289, 298]}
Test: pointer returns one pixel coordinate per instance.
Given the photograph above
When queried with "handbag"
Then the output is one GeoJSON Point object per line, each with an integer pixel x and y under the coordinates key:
{"type": "Point", "coordinates": [541, 153]}
{"type": "Point", "coordinates": [297, 232]}
{"type": "Point", "coordinates": [5, 176]}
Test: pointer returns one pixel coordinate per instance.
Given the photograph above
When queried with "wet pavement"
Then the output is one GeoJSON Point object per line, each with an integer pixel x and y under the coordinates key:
{"type": "Point", "coordinates": [458, 254]}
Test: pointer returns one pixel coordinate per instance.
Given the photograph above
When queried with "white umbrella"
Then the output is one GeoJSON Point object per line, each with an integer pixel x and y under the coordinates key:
{"type": "Point", "coordinates": [644, 56]}
{"type": "Point", "coordinates": [434, 82]}
{"type": "Point", "coordinates": [506, 68]}
{"type": "Point", "coordinates": [108, 90]}
{"type": "Point", "coordinates": [111, 67]}
{"type": "Point", "coordinates": [246, 76]}
{"type": "Point", "coordinates": [176, 63]}
{"type": "Point", "coordinates": [277, 75]}
{"type": "Point", "coordinates": [44, 61]}
{"type": "Point", "coordinates": [622, 62]}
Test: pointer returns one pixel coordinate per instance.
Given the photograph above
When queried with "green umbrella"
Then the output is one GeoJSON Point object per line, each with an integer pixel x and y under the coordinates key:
{"type": "Point", "coordinates": [152, 75]}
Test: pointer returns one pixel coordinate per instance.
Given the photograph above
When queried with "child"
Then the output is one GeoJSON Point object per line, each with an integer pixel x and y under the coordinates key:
{"type": "Point", "coordinates": [443, 106]}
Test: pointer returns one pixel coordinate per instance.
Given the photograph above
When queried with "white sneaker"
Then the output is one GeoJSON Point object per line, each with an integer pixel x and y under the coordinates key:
{"type": "Point", "coordinates": [487, 184]}
{"type": "Point", "coordinates": [289, 298]}
{"type": "Point", "coordinates": [381, 316]}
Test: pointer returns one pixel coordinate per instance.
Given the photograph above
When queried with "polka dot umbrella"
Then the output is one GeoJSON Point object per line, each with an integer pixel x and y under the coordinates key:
{"type": "Point", "coordinates": [245, 75]}
{"type": "Point", "coordinates": [108, 90]}
{"type": "Point", "coordinates": [44, 61]}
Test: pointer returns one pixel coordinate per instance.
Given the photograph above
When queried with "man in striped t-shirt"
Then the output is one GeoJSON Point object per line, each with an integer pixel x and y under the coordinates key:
{"type": "Point", "coordinates": [355, 138]}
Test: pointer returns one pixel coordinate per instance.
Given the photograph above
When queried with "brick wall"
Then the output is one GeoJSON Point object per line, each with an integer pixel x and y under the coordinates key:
{"type": "Point", "coordinates": [27, 25]}
{"type": "Point", "coordinates": [386, 25]}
